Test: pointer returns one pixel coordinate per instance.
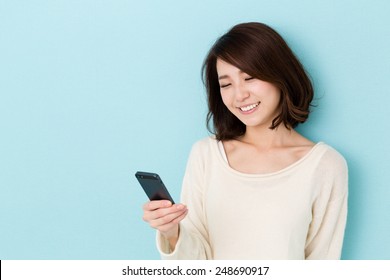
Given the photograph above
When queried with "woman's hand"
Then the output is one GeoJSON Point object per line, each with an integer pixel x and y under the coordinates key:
{"type": "Point", "coordinates": [165, 217]}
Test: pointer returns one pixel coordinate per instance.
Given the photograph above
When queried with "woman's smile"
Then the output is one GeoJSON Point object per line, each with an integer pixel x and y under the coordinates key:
{"type": "Point", "coordinates": [253, 101]}
{"type": "Point", "coordinates": [247, 109]}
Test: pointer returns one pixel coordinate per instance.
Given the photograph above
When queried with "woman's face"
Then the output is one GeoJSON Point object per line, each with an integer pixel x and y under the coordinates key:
{"type": "Point", "coordinates": [254, 102]}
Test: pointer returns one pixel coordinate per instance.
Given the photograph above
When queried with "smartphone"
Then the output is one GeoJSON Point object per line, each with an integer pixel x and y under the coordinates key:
{"type": "Point", "coordinates": [153, 186]}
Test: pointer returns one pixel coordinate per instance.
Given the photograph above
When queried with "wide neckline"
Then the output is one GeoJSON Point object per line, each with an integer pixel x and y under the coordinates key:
{"type": "Point", "coordinates": [225, 163]}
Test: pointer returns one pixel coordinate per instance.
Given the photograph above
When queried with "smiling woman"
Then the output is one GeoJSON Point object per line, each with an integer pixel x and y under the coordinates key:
{"type": "Point", "coordinates": [257, 51]}
{"type": "Point", "coordinates": [254, 102]}
{"type": "Point", "coordinates": [257, 189]}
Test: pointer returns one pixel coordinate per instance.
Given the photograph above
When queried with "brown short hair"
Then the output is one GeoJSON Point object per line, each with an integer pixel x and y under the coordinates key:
{"type": "Point", "coordinates": [261, 52]}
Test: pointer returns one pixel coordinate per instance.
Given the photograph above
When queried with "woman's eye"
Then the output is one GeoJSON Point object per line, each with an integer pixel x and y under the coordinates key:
{"type": "Point", "coordinates": [224, 85]}
{"type": "Point", "coordinates": [249, 78]}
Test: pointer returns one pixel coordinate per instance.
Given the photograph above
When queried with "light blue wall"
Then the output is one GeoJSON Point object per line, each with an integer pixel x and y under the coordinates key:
{"type": "Point", "coordinates": [92, 91]}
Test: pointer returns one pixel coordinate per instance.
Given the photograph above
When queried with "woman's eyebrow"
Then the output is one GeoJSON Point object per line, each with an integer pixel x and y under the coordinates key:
{"type": "Point", "coordinates": [227, 76]}
{"type": "Point", "coordinates": [223, 77]}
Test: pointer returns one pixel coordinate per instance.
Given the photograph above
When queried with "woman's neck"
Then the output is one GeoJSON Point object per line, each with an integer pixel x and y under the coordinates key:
{"type": "Point", "coordinates": [266, 138]}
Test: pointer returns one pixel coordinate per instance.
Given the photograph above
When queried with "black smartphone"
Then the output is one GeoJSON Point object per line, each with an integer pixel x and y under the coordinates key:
{"type": "Point", "coordinates": [153, 186]}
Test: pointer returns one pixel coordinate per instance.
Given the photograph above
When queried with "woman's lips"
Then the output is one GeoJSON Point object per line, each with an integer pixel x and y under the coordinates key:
{"type": "Point", "coordinates": [249, 108]}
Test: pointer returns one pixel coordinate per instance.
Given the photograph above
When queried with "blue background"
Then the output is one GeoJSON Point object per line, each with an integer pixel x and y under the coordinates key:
{"type": "Point", "coordinates": [92, 91]}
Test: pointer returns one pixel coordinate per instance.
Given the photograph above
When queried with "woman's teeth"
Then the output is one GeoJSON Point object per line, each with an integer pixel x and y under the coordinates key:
{"type": "Point", "coordinates": [249, 107]}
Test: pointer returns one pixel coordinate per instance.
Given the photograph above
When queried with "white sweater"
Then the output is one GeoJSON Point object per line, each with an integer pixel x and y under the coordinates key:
{"type": "Point", "coordinates": [298, 212]}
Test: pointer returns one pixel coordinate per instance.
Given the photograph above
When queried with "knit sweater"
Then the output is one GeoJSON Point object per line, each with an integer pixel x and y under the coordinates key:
{"type": "Point", "coordinates": [298, 212]}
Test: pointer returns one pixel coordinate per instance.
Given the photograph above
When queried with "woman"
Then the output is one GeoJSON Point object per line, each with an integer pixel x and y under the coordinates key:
{"type": "Point", "coordinates": [257, 189]}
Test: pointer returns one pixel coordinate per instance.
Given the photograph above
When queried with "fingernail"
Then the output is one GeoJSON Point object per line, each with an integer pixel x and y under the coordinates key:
{"type": "Point", "coordinates": [180, 206]}
{"type": "Point", "coordinates": [167, 203]}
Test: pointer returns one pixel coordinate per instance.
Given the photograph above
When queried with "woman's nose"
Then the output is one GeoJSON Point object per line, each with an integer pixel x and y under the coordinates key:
{"type": "Point", "coordinates": [242, 93]}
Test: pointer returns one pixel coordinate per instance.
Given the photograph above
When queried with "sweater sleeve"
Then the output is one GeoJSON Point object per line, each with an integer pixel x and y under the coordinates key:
{"type": "Point", "coordinates": [326, 232]}
{"type": "Point", "coordinates": [193, 237]}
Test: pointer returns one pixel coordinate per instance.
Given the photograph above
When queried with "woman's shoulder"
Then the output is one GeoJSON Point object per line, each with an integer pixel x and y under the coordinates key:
{"type": "Point", "coordinates": [332, 171]}
{"type": "Point", "coordinates": [204, 148]}
{"type": "Point", "coordinates": [330, 157]}
{"type": "Point", "coordinates": [205, 143]}
{"type": "Point", "coordinates": [202, 151]}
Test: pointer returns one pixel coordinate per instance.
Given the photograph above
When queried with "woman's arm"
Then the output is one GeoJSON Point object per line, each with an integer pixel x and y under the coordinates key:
{"type": "Point", "coordinates": [192, 242]}
{"type": "Point", "coordinates": [326, 233]}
